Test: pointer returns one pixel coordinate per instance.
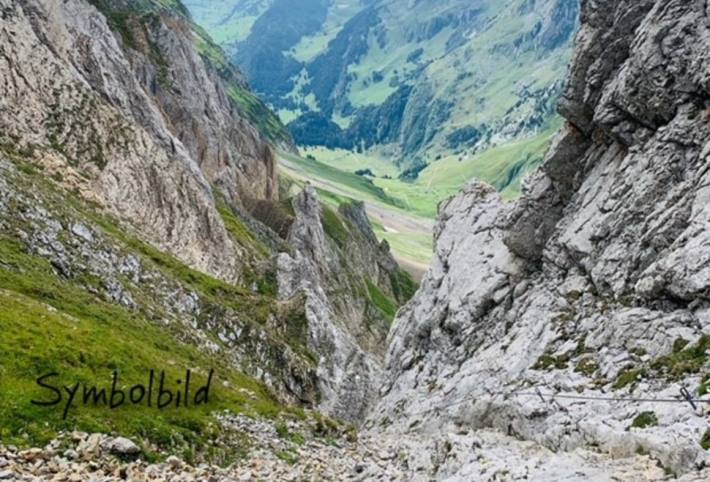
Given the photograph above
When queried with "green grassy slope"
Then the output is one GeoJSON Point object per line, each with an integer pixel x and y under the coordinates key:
{"type": "Point", "coordinates": [54, 323]}
{"type": "Point", "coordinates": [59, 328]}
{"type": "Point", "coordinates": [349, 182]}
{"type": "Point", "coordinates": [338, 15]}
{"type": "Point", "coordinates": [228, 21]}
{"type": "Point", "coordinates": [503, 167]}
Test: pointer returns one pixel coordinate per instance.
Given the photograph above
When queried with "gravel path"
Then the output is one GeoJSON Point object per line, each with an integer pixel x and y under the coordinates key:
{"type": "Point", "coordinates": [294, 453]}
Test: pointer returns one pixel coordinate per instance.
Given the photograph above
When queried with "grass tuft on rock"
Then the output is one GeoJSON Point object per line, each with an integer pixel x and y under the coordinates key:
{"type": "Point", "coordinates": [334, 226]}
{"type": "Point", "coordinates": [239, 231]}
{"type": "Point", "coordinates": [587, 366]}
{"type": "Point", "coordinates": [381, 301]}
{"type": "Point", "coordinates": [552, 362]}
{"type": "Point", "coordinates": [684, 359]}
{"type": "Point", "coordinates": [644, 420]}
{"type": "Point", "coordinates": [705, 440]}
{"type": "Point", "coordinates": [704, 387]}
{"type": "Point", "coordinates": [628, 377]}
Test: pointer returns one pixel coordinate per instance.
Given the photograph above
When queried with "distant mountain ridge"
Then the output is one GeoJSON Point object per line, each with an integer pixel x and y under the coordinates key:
{"type": "Point", "coordinates": [425, 78]}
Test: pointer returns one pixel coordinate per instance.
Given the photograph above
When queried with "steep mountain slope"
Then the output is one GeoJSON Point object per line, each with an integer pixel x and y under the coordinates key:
{"type": "Point", "coordinates": [81, 296]}
{"type": "Point", "coordinates": [555, 338]}
{"type": "Point", "coordinates": [426, 79]}
{"type": "Point", "coordinates": [142, 214]}
{"type": "Point", "coordinates": [111, 113]}
{"type": "Point", "coordinates": [562, 317]}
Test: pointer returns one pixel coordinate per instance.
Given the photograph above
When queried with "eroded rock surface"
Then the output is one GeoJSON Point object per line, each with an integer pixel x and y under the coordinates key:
{"type": "Point", "coordinates": [140, 124]}
{"type": "Point", "coordinates": [336, 264]}
{"type": "Point", "coordinates": [596, 282]}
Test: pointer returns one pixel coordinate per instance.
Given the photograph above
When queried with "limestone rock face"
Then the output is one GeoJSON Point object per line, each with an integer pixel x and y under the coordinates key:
{"type": "Point", "coordinates": [194, 96]}
{"type": "Point", "coordinates": [595, 283]}
{"type": "Point", "coordinates": [336, 274]}
{"type": "Point", "coordinates": [483, 275]}
{"type": "Point", "coordinates": [139, 134]}
{"type": "Point", "coordinates": [347, 373]}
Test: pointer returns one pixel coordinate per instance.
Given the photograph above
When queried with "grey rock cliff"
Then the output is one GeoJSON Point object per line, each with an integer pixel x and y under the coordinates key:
{"type": "Point", "coordinates": [194, 97]}
{"type": "Point", "coordinates": [336, 275]}
{"type": "Point", "coordinates": [347, 374]}
{"type": "Point", "coordinates": [143, 137]}
{"type": "Point", "coordinates": [596, 282]}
